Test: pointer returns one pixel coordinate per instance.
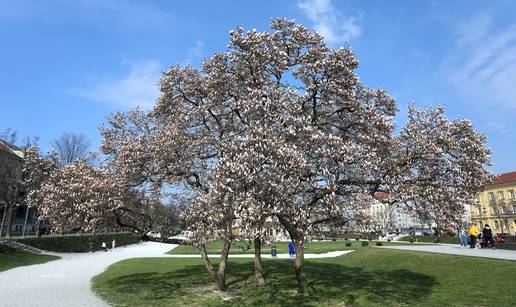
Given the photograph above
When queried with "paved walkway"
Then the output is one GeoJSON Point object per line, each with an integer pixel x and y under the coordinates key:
{"type": "Point", "coordinates": [279, 256]}
{"type": "Point", "coordinates": [66, 282]}
{"type": "Point", "coordinates": [456, 250]}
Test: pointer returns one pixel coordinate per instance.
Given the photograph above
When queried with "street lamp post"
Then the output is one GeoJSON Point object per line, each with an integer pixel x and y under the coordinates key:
{"type": "Point", "coordinates": [3, 220]}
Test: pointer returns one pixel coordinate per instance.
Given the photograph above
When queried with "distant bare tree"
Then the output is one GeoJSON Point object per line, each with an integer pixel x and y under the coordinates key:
{"type": "Point", "coordinates": [9, 135]}
{"type": "Point", "coordinates": [71, 147]}
{"type": "Point", "coordinates": [12, 137]}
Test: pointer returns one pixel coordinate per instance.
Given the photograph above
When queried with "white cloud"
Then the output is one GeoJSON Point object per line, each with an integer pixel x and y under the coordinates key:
{"type": "Point", "coordinates": [194, 53]}
{"type": "Point", "coordinates": [499, 127]}
{"type": "Point", "coordinates": [137, 88]}
{"type": "Point", "coordinates": [482, 64]}
{"type": "Point", "coordinates": [330, 22]}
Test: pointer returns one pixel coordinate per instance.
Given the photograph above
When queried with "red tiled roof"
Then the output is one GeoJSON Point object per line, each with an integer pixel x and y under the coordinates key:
{"type": "Point", "coordinates": [381, 195]}
{"type": "Point", "coordinates": [504, 178]}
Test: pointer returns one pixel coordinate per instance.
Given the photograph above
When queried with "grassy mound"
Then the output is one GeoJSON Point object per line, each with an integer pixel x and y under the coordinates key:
{"type": "Point", "coordinates": [432, 239]}
{"type": "Point", "coordinates": [366, 277]}
{"type": "Point", "coordinates": [11, 258]}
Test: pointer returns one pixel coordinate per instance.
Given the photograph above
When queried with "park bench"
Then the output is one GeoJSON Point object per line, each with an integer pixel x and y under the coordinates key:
{"type": "Point", "coordinates": [510, 243]}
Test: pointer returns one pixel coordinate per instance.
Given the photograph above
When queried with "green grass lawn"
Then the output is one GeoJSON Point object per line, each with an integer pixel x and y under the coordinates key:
{"type": "Point", "coordinates": [11, 258]}
{"type": "Point", "coordinates": [241, 247]}
{"type": "Point", "coordinates": [366, 277]}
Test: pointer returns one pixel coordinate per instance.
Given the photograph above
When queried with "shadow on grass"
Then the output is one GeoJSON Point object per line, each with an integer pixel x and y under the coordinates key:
{"type": "Point", "coordinates": [329, 282]}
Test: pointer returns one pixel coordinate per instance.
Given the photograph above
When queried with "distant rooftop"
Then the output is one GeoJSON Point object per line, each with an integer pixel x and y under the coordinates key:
{"type": "Point", "coordinates": [504, 178]}
{"type": "Point", "coordinates": [11, 148]}
{"type": "Point", "coordinates": [381, 195]}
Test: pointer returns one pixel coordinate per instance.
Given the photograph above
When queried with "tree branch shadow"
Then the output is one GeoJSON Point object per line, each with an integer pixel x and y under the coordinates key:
{"type": "Point", "coordinates": [328, 282]}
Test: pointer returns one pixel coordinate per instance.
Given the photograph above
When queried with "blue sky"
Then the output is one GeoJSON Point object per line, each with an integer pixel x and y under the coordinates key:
{"type": "Point", "coordinates": [66, 65]}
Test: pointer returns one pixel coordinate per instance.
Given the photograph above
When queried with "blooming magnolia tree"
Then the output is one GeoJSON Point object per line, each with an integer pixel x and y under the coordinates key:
{"type": "Point", "coordinates": [441, 167]}
{"type": "Point", "coordinates": [79, 195]}
{"type": "Point", "coordinates": [279, 126]}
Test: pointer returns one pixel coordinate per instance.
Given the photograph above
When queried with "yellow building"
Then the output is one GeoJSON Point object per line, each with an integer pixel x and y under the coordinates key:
{"type": "Point", "coordinates": [496, 205]}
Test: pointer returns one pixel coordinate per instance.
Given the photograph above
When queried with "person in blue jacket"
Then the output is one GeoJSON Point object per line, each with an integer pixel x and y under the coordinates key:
{"type": "Point", "coordinates": [291, 249]}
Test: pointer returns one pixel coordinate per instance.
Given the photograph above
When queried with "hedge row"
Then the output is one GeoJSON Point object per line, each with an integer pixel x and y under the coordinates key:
{"type": "Point", "coordinates": [79, 243]}
{"type": "Point", "coordinates": [431, 239]}
{"type": "Point", "coordinates": [346, 236]}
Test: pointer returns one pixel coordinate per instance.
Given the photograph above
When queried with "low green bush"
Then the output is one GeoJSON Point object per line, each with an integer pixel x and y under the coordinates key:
{"type": "Point", "coordinates": [364, 243]}
{"type": "Point", "coordinates": [348, 244]}
{"type": "Point", "coordinates": [79, 243]}
{"type": "Point", "coordinates": [379, 243]}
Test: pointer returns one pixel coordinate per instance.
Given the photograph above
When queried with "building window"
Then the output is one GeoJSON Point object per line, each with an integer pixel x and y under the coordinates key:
{"type": "Point", "coordinates": [496, 225]}
{"type": "Point", "coordinates": [506, 225]}
{"type": "Point", "coordinates": [494, 211]}
{"type": "Point", "coordinates": [513, 209]}
{"type": "Point", "coordinates": [479, 211]}
{"type": "Point", "coordinates": [477, 198]}
{"type": "Point", "coordinates": [511, 194]}
{"type": "Point", "coordinates": [500, 195]}
{"type": "Point", "coordinates": [490, 195]}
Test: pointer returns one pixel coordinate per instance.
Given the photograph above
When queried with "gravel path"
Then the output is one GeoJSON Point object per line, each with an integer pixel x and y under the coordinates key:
{"type": "Point", "coordinates": [66, 282]}
{"type": "Point", "coordinates": [456, 250]}
{"type": "Point", "coordinates": [279, 256]}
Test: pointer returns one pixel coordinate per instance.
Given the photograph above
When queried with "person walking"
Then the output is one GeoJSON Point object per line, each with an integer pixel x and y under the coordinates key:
{"type": "Point", "coordinates": [104, 246]}
{"type": "Point", "coordinates": [473, 232]}
{"type": "Point", "coordinates": [113, 244]}
{"type": "Point", "coordinates": [291, 249]}
{"type": "Point", "coordinates": [463, 236]}
{"type": "Point", "coordinates": [487, 235]}
{"type": "Point", "coordinates": [479, 241]}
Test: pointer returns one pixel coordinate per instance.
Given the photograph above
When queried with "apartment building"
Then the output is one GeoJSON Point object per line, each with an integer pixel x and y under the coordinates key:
{"type": "Point", "coordinates": [496, 205]}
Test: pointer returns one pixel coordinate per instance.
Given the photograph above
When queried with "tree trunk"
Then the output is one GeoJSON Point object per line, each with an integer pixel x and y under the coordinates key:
{"type": "Point", "coordinates": [258, 261]}
{"type": "Point", "coordinates": [298, 240]}
{"type": "Point", "coordinates": [209, 267]}
{"type": "Point", "coordinates": [302, 284]}
{"type": "Point", "coordinates": [223, 261]}
{"type": "Point", "coordinates": [219, 277]}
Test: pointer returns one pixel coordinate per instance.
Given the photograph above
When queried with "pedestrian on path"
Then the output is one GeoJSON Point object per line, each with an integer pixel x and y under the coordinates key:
{"type": "Point", "coordinates": [487, 234]}
{"type": "Point", "coordinates": [104, 246]}
{"type": "Point", "coordinates": [113, 244]}
{"type": "Point", "coordinates": [291, 249]}
{"type": "Point", "coordinates": [473, 232]}
{"type": "Point", "coordinates": [463, 236]}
